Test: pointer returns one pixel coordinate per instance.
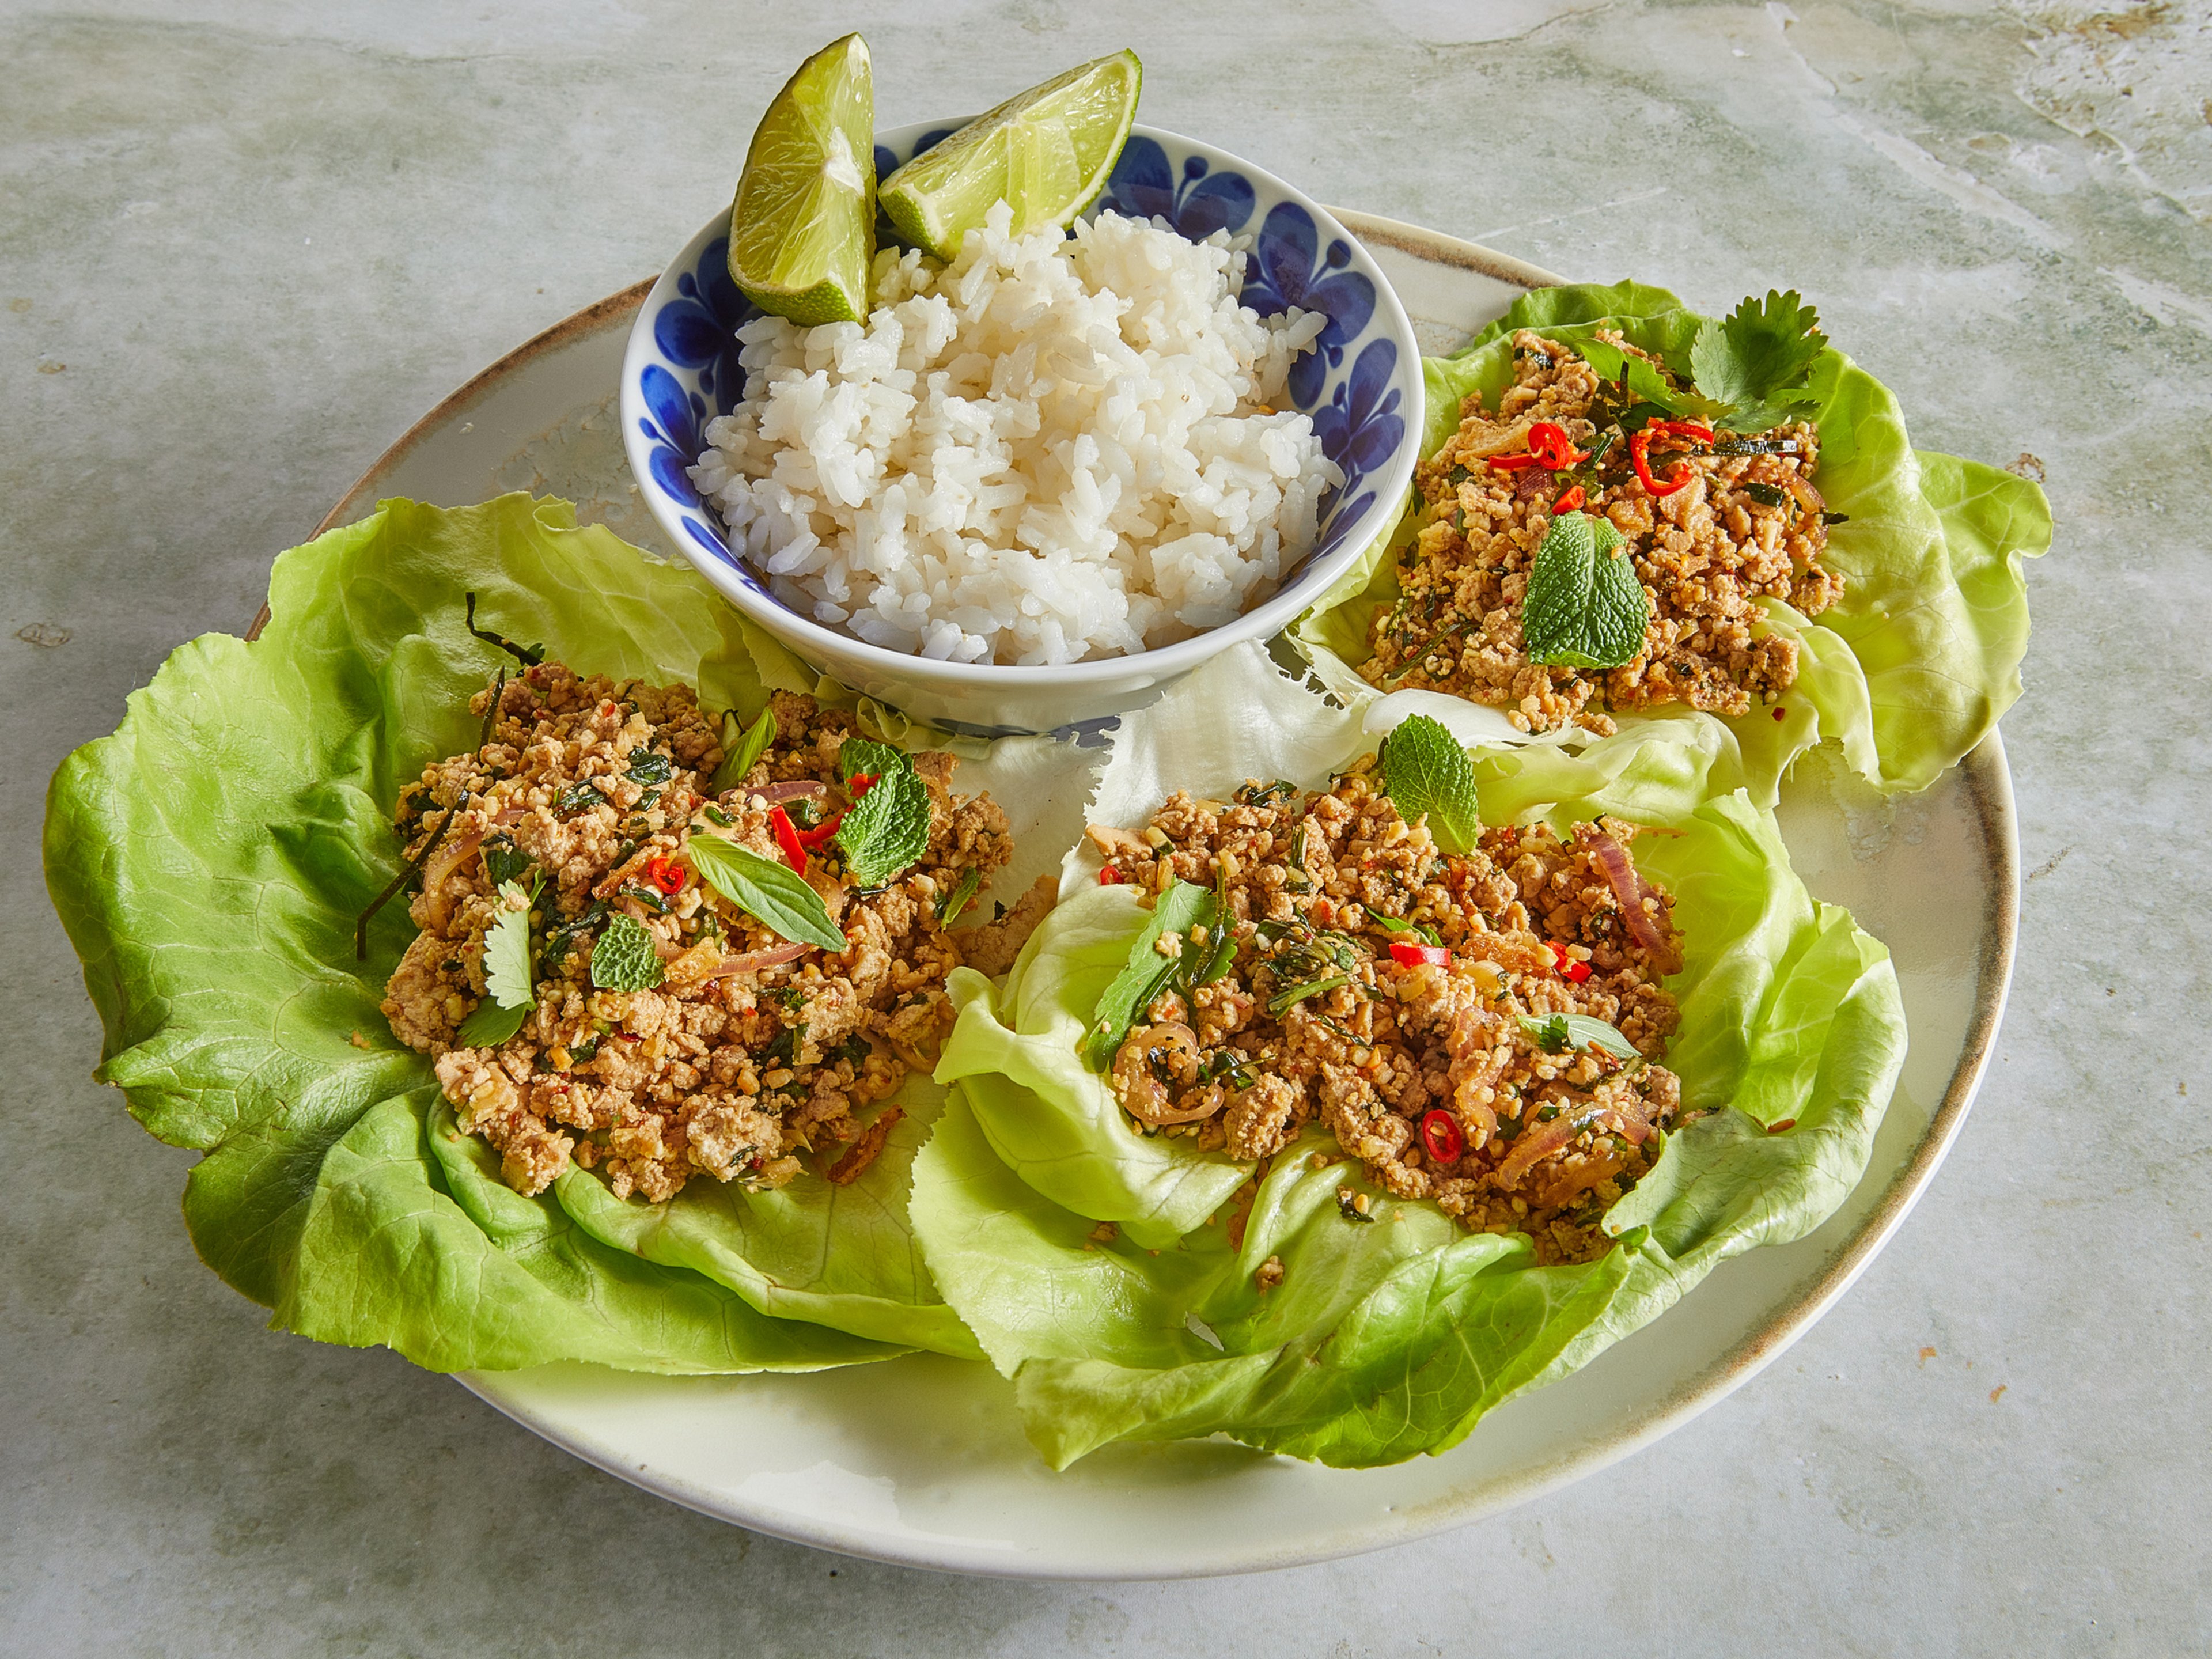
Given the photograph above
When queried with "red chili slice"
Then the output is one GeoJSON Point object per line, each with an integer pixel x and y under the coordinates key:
{"type": "Point", "coordinates": [860, 783]}
{"type": "Point", "coordinates": [1406, 950]}
{"type": "Point", "coordinates": [1442, 1135]}
{"type": "Point", "coordinates": [1573, 970]}
{"type": "Point", "coordinates": [786, 839]}
{"type": "Point", "coordinates": [667, 876]}
{"type": "Point", "coordinates": [1569, 502]}
{"type": "Point", "coordinates": [1549, 443]}
{"type": "Point", "coordinates": [1513, 463]}
{"type": "Point", "coordinates": [815, 839]}
{"type": "Point", "coordinates": [1108, 875]}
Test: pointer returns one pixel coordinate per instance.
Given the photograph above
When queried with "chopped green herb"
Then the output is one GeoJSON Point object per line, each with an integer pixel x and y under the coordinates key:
{"type": "Point", "coordinates": [504, 860]}
{"type": "Point", "coordinates": [624, 959]}
{"type": "Point", "coordinates": [1766, 495]}
{"type": "Point", "coordinates": [716, 816]}
{"type": "Point", "coordinates": [1266, 794]}
{"type": "Point", "coordinates": [766, 889]}
{"type": "Point", "coordinates": [1398, 925]}
{"type": "Point", "coordinates": [752, 745]}
{"type": "Point", "coordinates": [854, 1051]}
{"type": "Point", "coordinates": [962, 894]}
{"type": "Point", "coordinates": [1283, 1001]}
{"type": "Point", "coordinates": [563, 940]}
{"type": "Point", "coordinates": [1835, 518]}
{"type": "Point", "coordinates": [1184, 906]}
{"type": "Point", "coordinates": [588, 1049]}
{"type": "Point", "coordinates": [578, 796]}
{"type": "Point", "coordinates": [650, 766]}
{"type": "Point", "coordinates": [656, 902]}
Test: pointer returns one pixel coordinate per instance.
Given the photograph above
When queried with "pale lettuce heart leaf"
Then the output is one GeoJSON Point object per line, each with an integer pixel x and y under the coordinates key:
{"type": "Point", "coordinates": [1908, 671]}
{"type": "Point", "coordinates": [209, 860]}
{"type": "Point", "coordinates": [1391, 1338]}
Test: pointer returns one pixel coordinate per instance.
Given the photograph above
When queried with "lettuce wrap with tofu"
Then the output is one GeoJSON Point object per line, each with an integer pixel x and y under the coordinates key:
{"type": "Point", "coordinates": [210, 858]}
{"type": "Point", "coordinates": [1907, 671]}
{"type": "Point", "coordinates": [1141, 1285]}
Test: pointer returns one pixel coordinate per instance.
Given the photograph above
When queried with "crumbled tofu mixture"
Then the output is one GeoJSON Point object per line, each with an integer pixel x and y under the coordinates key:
{"type": "Point", "coordinates": [1746, 524]}
{"type": "Point", "coordinates": [1547, 1140]}
{"type": "Point", "coordinates": [752, 1057]}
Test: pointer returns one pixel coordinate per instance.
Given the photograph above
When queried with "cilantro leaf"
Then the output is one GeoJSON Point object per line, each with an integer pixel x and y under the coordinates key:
{"type": "Point", "coordinates": [766, 889]}
{"type": "Point", "coordinates": [1585, 607]}
{"type": "Point", "coordinates": [1556, 1033]}
{"type": "Point", "coordinates": [1426, 772]}
{"type": "Point", "coordinates": [488, 1024]}
{"type": "Point", "coordinates": [751, 746]}
{"type": "Point", "coordinates": [507, 951]}
{"type": "Point", "coordinates": [1755, 358]}
{"type": "Point", "coordinates": [624, 959]}
{"type": "Point", "coordinates": [888, 827]}
{"type": "Point", "coordinates": [1184, 906]}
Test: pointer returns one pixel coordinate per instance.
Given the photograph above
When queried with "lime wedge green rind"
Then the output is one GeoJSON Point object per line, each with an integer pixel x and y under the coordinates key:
{"type": "Point", "coordinates": [802, 229]}
{"type": "Point", "coordinates": [1046, 153]}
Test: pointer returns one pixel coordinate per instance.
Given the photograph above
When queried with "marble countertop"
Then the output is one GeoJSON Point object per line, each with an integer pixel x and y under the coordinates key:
{"type": "Point", "coordinates": [243, 246]}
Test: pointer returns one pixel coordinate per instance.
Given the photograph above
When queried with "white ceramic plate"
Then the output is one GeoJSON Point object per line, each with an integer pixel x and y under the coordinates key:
{"type": "Point", "coordinates": [921, 1460]}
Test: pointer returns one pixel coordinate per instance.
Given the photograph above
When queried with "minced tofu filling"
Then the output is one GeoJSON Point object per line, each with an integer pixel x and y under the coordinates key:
{"type": "Point", "coordinates": [1404, 997]}
{"type": "Point", "coordinates": [751, 1055]}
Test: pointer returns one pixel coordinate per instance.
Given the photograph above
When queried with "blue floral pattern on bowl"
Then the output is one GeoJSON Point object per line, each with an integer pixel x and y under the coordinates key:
{"type": "Point", "coordinates": [1360, 381]}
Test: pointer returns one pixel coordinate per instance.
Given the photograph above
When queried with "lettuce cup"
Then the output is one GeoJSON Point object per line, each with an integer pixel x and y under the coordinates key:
{"type": "Point", "coordinates": [1631, 514]}
{"type": "Point", "coordinates": [1378, 1079]}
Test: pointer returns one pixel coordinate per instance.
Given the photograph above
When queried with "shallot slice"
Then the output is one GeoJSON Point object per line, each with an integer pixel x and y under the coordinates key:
{"type": "Point", "coordinates": [450, 858]}
{"type": "Point", "coordinates": [776, 793]}
{"type": "Point", "coordinates": [1540, 1142]}
{"type": "Point", "coordinates": [1632, 890]}
{"type": "Point", "coordinates": [754, 960]}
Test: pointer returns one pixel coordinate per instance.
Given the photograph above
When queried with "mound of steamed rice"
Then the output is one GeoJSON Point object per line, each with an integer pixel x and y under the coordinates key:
{"type": "Point", "coordinates": [1057, 447]}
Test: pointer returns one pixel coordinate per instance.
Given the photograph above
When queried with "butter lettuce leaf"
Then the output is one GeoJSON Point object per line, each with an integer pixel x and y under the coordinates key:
{"type": "Point", "coordinates": [1385, 1340]}
{"type": "Point", "coordinates": [209, 860]}
{"type": "Point", "coordinates": [1908, 671]}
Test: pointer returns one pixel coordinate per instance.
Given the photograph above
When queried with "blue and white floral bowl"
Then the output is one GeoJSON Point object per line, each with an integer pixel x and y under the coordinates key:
{"type": "Point", "coordinates": [1361, 382]}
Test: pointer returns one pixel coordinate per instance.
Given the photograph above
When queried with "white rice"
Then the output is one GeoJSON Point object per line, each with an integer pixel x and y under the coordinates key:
{"type": "Point", "coordinates": [1055, 448]}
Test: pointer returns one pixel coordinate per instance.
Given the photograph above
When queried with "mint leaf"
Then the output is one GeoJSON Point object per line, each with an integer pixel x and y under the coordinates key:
{"type": "Point", "coordinates": [1184, 906]}
{"type": "Point", "coordinates": [751, 746]}
{"type": "Point", "coordinates": [1756, 357]}
{"type": "Point", "coordinates": [865, 758]}
{"type": "Point", "coordinates": [1426, 772]}
{"type": "Point", "coordinates": [766, 889]}
{"type": "Point", "coordinates": [1556, 1033]}
{"type": "Point", "coordinates": [888, 827]}
{"type": "Point", "coordinates": [624, 959]}
{"type": "Point", "coordinates": [1585, 607]}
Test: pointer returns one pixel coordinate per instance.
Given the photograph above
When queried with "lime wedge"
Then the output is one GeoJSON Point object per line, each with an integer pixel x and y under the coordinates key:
{"type": "Point", "coordinates": [1046, 153]}
{"type": "Point", "coordinates": [803, 229]}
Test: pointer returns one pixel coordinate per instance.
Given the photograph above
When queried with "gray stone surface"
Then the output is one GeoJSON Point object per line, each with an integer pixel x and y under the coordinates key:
{"type": "Point", "coordinates": [242, 246]}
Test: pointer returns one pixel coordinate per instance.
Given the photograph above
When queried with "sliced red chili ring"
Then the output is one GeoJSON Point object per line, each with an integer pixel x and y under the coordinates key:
{"type": "Point", "coordinates": [1573, 970]}
{"type": "Point", "coordinates": [667, 876]}
{"type": "Point", "coordinates": [1442, 1135]}
{"type": "Point", "coordinates": [1410, 953]}
{"type": "Point", "coordinates": [786, 839]}
{"type": "Point", "coordinates": [1569, 502]}
{"type": "Point", "coordinates": [815, 839]}
{"type": "Point", "coordinates": [1513, 463]}
{"type": "Point", "coordinates": [1108, 875]}
{"type": "Point", "coordinates": [1548, 441]}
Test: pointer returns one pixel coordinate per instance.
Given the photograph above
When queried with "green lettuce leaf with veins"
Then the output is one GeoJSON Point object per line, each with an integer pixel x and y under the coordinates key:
{"type": "Point", "coordinates": [209, 860]}
{"type": "Point", "coordinates": [1907, 671]}
{"type": "Point", "coordinates": [1385, 1340]}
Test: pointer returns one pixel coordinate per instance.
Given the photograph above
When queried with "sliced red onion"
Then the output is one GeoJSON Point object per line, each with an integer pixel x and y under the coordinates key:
{"type": "Point", "coordinates": [449, 858]}
{"type": "Point", "coordinates": [776, 793]}
{"type": "Point", "coordinates": [753, 960]}
{"type": "Point", "coordinates": [1630, 888]}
